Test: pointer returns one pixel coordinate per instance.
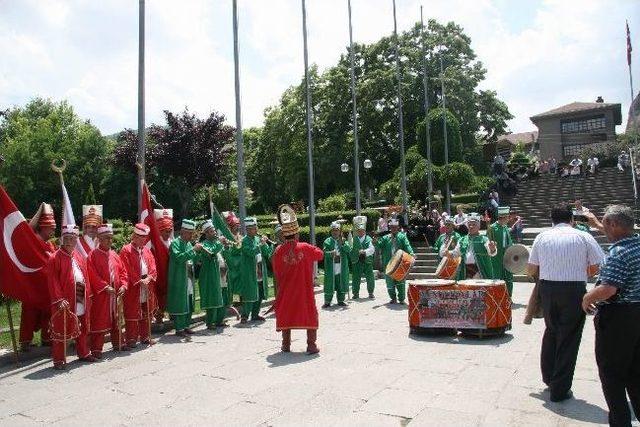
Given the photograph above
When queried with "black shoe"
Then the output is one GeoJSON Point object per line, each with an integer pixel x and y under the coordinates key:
{"type": "Point", "coordinates": [326, 305]}
{"type": "Point", "coordinates": [401, 302]}
{"type": "Point", "coordinates": [257, 319]}
{"type": "Point", "coordinates": [561, 398]}
{"type": "Point", "coordinates": [342, 304]}
{"type": "Point", "coordinates": [371, 296]}
{"type": "Point", "coordinates": [189, 331]}
{"type": "Point", "coordinates": [393, 301]}
{"type": "Point", "coordinates": [181, 333]}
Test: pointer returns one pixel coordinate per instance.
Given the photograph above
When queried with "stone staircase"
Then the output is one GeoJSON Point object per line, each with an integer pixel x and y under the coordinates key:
{"type": "Point", "coordinates": [533, 202]}
{"type": "Point", "coordinates": [535, 197]}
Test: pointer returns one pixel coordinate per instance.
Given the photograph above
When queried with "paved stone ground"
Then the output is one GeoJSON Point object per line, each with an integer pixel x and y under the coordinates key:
{"type": "Point", "coordinates": [370, 372]}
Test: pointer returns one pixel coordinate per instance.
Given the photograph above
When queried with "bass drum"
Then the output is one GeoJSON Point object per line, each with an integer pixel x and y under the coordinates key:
{"type": "Point", "coordinates": [447, 268]}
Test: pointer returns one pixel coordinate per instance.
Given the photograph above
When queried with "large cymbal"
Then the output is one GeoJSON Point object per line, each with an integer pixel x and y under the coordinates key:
{"type": "Point", "coordinates": [516, 258]}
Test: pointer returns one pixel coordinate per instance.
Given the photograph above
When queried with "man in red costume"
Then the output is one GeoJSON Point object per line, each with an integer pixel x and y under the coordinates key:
{"type": "Point", "coordinates": [108, 279]}
{"type": "Point", "coordinates": [295, 305]}
{"type": "Point", "coordinates": [70, 294]}
{"type": "Point", "coordinates": [164, 219]}
{"type": "Point", "coordinates": [138, 299]}
{"type": "Point", "coordinates": [91, 220]}
{"type": "Point", "coordinates": [33, 319]}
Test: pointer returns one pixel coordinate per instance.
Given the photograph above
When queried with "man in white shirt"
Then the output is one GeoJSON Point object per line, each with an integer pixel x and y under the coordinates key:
{"type": "Point", "coordinates": [562, 258]}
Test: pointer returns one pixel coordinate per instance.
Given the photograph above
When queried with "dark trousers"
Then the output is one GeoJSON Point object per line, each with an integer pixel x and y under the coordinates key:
{"type": "Point", "coordinates": [564, 320]}
{"type": "Point", "coordinates": [618, 356]}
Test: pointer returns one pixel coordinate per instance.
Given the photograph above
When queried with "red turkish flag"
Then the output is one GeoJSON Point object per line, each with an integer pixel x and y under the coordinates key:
{"type": "Point", "coordinates": [23, 257]}
{"type": "Point", "coordinates": [160, 251]}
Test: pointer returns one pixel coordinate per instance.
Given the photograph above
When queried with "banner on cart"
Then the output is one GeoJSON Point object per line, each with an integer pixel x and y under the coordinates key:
{"type": "Point", "coordinates": [453, 308]}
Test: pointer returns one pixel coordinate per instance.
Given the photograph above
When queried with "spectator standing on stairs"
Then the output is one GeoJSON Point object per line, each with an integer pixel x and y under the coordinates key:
{"type": "Point", "coordinates": [623, 161]}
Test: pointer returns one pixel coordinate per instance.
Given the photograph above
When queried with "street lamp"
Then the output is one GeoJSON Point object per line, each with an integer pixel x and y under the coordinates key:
{"type": "Point", "coordinates": [221, 186]}
{"type": "Point", "coordinates": [344, 167]}
{"type": "Point", "coordinates": [367, 166]}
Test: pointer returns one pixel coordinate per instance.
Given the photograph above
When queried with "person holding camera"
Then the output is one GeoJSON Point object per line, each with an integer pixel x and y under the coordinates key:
{"type": "Point", "coordinates": [616, 303]}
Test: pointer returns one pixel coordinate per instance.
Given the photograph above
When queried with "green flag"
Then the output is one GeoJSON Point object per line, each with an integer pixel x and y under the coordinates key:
{"type": "Point", "coordinates": [220, 223]}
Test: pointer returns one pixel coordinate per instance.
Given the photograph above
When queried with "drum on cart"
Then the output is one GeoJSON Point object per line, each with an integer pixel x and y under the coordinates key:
{"type": "Point", "coordinates": [399, 265]}
{"type": "Point", "coordinates": [489, 307]}
{"type": "Point", "coordinates": [423, 310]}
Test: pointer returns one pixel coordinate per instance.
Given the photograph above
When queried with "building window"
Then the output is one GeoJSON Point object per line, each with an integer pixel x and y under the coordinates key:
{"type": "Point", "coordinates": [582, 126]}
{"type": "Point", "coordinates": [576, 150]}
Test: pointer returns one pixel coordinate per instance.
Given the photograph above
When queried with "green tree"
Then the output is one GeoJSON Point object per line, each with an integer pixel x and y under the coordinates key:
{"type": "Point", "coordinates": [454, 140]}
{"type": "Point", "coordinates": [278, 172]}
{"type": "Point", "coordinates": [31, 137]}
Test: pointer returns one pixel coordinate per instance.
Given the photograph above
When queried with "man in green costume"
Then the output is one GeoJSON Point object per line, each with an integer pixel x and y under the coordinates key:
{"type": "Point", "coordinates": [388, 245]}
{"type": "Point", "coordinates": [181, 279]}
{"type": "Point", "coordinates": [500, 232]}
{"type": "Point", "coordinates": [476, 252]}
{"type": "Point", "coordinates": [211, 297]}
{"type": "Point", "coordinates": [362, 258]}
{"type": "Point", "coordinates": [445, 239]}
{"type": "Point", "coordinates": [336, 266]}
{"type": "Point", "coordinates": [254, 277]}
{"type": "Point", "coordinates": [232, 255]}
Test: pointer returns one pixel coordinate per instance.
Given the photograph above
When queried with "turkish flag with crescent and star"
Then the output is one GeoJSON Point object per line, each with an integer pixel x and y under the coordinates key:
{"type": "Point", "coordinates": [160, 251]}
{"type": "Point", "coordinates": [23, 257]}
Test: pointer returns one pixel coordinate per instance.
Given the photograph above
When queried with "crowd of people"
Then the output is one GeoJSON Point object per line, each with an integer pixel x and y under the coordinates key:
{"type": "Point", "coordinates": [95, 291]}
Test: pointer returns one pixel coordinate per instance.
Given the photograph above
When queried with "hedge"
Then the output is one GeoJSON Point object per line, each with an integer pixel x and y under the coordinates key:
{"type": "Point", "coordinates": [465, 198]}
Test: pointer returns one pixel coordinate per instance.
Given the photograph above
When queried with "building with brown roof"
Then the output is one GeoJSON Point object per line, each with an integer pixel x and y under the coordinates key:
{"type": "Point", "coordinates": [565, 131]}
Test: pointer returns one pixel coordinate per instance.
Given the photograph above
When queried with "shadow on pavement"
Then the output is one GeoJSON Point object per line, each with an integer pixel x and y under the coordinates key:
{"type": "Point", "coordinates": [280, 358]}
{"type": "Point", "coordinates": [459, 339]}
{"type": "Point", "coordinates": [516, 306]}
{"type": "Point", "coordinates": [577, 409]}
{"type": "Point", "coordinates": [392, 307]}
{"type": "Point", "coordinates": [47, 371]}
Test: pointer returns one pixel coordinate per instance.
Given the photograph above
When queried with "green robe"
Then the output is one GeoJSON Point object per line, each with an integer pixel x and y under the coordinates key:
{"type": "Point", "coordinates": [209, 280]}
{"type": "Point", "coordinates": [250, 248]}
{"type": "Point", "coordinates": [483, 260]}
{"type": "Point", "coordinates": [357, 246]}
{"type": "Point", "coordinates": [178, 300]}
{"type": "Point", "coordinates": [441, 239]}
{"type": "Point", "coordinates": [388, 249]}
{"type": "Point", "coordinates": [232, 257]}
{"type": "Point", "coordinates": [331, 244]}
{"type": "Point", "coordinates": [361, 268]}
{"type": "Point", "coordinates": [501, 234]}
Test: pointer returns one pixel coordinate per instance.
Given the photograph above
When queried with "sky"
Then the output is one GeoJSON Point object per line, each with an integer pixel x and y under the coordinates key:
{"type": "Point", "coordinates": [539, 54]}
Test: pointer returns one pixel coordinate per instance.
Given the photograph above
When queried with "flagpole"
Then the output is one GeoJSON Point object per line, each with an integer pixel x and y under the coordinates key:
{"type": "Point", "coordinates": [356, 158]}
{"type": "Point", "coordinates": [312, 208]}
{"type": "Point", "coordinates": [426, 108]}
{"type": "Point", "coordinates": [400, 119]}
{"type": "Point", "coordinates": [444, 130]}
{"type": "Point", "coordinates": [635, 131]}
{"type": "Point", "coordinates": [239, 138]}
{"type": "Point", "coordinates": [141, 143]}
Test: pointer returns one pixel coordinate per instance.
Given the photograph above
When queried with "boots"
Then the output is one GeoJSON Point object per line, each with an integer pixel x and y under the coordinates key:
{"type": "Point", "coordinates": [286, 340]}
{"type": "Point", "coordinates": [312, 335]}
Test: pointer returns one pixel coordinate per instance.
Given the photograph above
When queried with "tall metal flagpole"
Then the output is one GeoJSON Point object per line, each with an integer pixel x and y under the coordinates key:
{"type": "Point", "coordinates": [426, 106]}
{"type": "Point", "coordinates": [141, 145]}
{"type": "Point", "coordinates": [635, 134]}
{"type": "Point", "coordinates": [356, 156]}
{"type": "Point", "coordinates": [312, 207]}
{"type": "Point", "coordinates": [400, 119]}
{"type": "Point", "coordinates": [239, 139]}
{"type": "Point", "coordinates": [444, 129]}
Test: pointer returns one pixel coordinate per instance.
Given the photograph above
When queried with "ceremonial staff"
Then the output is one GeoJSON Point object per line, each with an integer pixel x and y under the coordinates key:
{"type": "Point", "coordinates": [59, 170]}
{"type": "Point", "coordinates": [12, 330]}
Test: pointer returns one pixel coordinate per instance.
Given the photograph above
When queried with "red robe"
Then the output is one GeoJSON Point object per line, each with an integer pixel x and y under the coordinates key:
{"type": "Point", "coordinates": [103, 303]}
{"type": "Point", "coordinates": [295, 305]}
{"type": "Point", "coordinates": [130, 257]}
{"type": "Point", "coordinates": [62, 285]}
{"type": "Point", "coordinates": [85, 245]}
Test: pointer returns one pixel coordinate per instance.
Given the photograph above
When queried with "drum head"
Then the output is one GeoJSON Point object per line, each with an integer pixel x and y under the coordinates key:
{"type": "Point", "coordinates": [393, 263]}
{"type": "Point", "coordinates": [432, 282]}
{"type": "Point", "coordinates": [481, 282]}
